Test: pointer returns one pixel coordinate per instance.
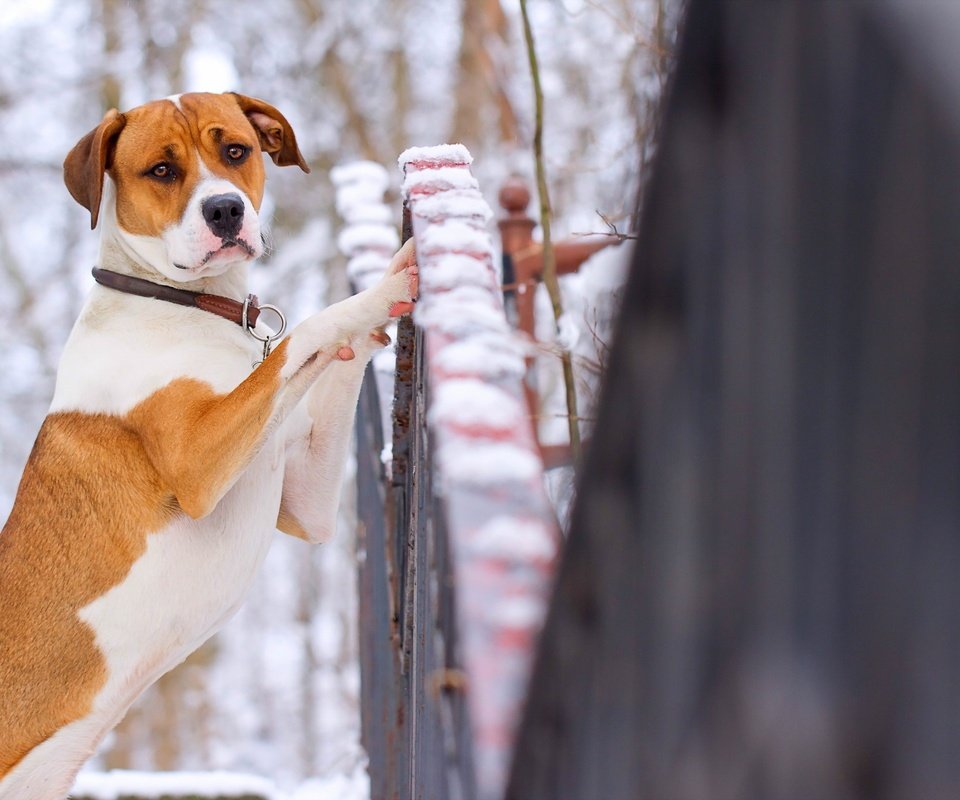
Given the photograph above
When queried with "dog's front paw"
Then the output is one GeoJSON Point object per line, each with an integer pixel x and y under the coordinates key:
{"type": "Point", "coordinates": [402, 307]}
{"type": "Point", "coordinates": [402, 280]}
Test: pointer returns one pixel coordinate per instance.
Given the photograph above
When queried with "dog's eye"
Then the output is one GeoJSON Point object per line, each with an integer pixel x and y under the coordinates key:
{"type": "Point", "coordinates": [235, 152]}
{"type": "Point", "coordinates": [163, 171]}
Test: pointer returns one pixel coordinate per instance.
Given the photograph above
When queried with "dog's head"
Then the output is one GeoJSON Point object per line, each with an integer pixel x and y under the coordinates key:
{"type": "Point", "coordinates": [185, 179]}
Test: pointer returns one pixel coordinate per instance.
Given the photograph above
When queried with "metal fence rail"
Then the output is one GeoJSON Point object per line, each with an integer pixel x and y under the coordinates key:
{"type": "Point", "coordinates": [457, 539]}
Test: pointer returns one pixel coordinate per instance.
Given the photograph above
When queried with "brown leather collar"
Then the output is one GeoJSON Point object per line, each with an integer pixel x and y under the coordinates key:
{"type": "Point", "coordinates": [225, 307]}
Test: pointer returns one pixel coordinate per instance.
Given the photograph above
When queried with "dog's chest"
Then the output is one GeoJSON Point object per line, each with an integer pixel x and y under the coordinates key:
{"type": "Point", "coordinates": [194, 572]}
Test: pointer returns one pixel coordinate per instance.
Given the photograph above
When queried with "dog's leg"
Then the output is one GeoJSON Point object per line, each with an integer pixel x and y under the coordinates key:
{"type": "Point", "coordinates": [318, 439]}
{"type": "Point", "coordinates": [200, 442]}
{"type": "Point", "coordinates": [319, 435]}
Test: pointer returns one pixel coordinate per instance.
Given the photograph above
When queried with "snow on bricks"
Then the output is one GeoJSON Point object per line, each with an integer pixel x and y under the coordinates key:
{"type": "Point", "coordinates": [503, 536]}
{"type": "Point", "coordinates": [475, 407]}
{"type": "Point", "coordinates": [500, 357]}
{"type": "Point", "coordinates": [369, 240]}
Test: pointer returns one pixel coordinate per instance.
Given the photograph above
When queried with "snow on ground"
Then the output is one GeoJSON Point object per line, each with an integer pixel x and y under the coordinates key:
{"type": "Point", "coordinates": [148, 785]}
{"type": "Point", "coordinates": [121, 784]}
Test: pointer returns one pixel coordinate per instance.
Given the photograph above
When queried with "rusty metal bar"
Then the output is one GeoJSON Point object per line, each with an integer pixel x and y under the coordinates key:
{"type": "Point", "coordinates": [403, 566]}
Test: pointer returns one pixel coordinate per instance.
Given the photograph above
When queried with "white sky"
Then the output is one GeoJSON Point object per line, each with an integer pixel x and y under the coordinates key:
{"type": "Point", "coordinates": [14, 11]}
{"type": "Point", "coordinates": [209, 69]}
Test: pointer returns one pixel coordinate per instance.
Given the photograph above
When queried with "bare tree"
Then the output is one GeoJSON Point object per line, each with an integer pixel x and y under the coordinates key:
{"type": "Point", "coordinates": [481, 92]}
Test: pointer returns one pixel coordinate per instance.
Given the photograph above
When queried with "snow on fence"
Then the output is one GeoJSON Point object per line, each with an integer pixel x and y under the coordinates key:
{"type": "Point", "coordinates": [457, 540]}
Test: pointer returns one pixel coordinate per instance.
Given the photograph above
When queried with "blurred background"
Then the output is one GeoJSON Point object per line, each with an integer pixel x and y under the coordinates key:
{"type": "Point", "coordinates": [275, 692]}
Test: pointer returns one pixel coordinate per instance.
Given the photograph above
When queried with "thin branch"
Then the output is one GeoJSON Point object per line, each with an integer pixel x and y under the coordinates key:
{"type": "Point", "coordinates": [620, 237]}
{"type": "Point", "coordinates": [613, 232]}
{"type": "Point", "coordinates": [549, 259]}
{"type": "Point", "coordinates": [561, 416]}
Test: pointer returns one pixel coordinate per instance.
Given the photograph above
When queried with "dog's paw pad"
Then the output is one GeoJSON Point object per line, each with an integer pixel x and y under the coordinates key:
{"type": "Point", "coordinates": [345, 353]}
{"type": "Point", "coordinates": [399, 309]}
{"type": "Point", "coordinates": [380, 337]}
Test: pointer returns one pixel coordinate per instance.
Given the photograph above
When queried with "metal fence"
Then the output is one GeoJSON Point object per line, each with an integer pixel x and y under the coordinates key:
{"type": "Point", "coordinates": [759, 593]}
{"type": "Point", "coordinates": [415, 734]}
{"type": "Point", "coordinates": [456, 536]}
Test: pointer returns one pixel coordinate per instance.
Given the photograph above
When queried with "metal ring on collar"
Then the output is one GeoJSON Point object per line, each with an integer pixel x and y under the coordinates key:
{"type": "Point", "coordinates": [264, 307]}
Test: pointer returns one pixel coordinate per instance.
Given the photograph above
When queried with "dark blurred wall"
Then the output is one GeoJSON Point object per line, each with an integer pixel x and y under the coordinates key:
{"type": "Point", "coordinates": [760, 597]}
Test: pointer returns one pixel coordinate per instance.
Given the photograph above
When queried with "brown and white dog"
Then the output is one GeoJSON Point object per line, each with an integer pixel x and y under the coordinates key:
{"type": "Point", "coordinates": [167, 459]}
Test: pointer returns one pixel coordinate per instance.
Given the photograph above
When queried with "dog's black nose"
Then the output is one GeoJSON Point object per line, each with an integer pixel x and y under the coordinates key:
{"type": "Point", "coordinates": [224, 214]}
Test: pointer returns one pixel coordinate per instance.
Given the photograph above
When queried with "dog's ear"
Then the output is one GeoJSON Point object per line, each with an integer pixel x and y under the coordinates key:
{"type": "Point", "coordinates": [85, 164]}
{"type": "Point", "coordinates": [276, 134]}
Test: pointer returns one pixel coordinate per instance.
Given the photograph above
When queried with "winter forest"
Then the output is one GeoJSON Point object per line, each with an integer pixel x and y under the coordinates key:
{"type": "Point", "coordinates": [275, 693]}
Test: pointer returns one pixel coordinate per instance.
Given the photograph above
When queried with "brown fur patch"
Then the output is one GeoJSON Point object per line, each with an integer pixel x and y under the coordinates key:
{"type": "Point", "coordinates": [198, 441]}
{"type": "Point", "coordinates": [94, 488]}
{"type": "Point", "coordinates": [81, 518]}
{"type": "Point", "coordinates": [289, 524]}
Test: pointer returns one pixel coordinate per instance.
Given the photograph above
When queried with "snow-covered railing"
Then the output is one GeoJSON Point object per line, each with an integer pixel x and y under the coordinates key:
{"type": "Point", "coordinates": [502, 536]}
{"type": "Point", "coordinates": [457, 538]}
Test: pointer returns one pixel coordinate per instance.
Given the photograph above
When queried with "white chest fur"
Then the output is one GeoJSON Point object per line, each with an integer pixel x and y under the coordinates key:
{"type": "Point", "coordinates": [123, 349]}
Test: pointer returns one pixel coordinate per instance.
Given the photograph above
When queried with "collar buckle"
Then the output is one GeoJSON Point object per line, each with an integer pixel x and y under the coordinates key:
{"type": "Point", "coordinates": [268, 339]}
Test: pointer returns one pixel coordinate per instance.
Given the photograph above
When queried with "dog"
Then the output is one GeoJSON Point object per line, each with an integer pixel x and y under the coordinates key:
{"type": "Point", "coordinates": [169, 454]}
